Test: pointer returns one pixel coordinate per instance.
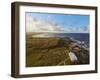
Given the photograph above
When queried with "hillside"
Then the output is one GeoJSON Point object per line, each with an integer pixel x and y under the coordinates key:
{"type": "Point", "coordinates": [52, 51]}
{"type": "Point", "coordinates": [46, 51]}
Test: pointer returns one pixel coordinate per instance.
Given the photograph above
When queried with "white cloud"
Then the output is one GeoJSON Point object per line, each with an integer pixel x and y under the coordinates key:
{"type": "Point", "coordinates": [77, 30]}
{"type": "Point", "coordinates": [38, 25]}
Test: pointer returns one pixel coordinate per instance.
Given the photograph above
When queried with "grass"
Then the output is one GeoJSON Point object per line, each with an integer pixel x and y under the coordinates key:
{"type": "Point", "coordinates": [46, 51]}
{"type": "Point", "coordinates": [50, 51]}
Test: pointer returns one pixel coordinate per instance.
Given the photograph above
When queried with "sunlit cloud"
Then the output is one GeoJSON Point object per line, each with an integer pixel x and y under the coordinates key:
{"type": "Point", "coordinates": [38, 25]}
{"type": "Point", "coordinates": [34, 24]}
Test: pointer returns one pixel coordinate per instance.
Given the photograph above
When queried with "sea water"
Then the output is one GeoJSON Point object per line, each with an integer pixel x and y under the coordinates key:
{"type": "Point", "coordinates": [76, 36]}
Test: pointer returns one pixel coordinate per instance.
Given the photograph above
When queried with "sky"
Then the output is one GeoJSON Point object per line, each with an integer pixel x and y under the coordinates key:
{"type": "Point", "coordinates": [47, 22]}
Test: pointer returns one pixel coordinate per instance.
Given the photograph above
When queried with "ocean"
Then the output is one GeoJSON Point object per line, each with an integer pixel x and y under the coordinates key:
{"type": "Point", "coordinates": [80, 36]}
{"type": "Point", "coordinates": [76, 36]}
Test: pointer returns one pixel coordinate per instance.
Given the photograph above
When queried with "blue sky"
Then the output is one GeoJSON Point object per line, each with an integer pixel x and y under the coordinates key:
{"type": "Point", "coordinates": [71, 21]}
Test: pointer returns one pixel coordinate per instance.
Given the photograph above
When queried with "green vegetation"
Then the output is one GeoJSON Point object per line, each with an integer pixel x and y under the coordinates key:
{"type": "Point", "coordinates": [46, 51]}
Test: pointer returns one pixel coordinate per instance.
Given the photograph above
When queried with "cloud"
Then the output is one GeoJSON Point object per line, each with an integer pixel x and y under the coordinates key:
{"type": "Point", "coordinates": [39, 25]}
{"type": "Point", "coordinates": [77, 29]}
